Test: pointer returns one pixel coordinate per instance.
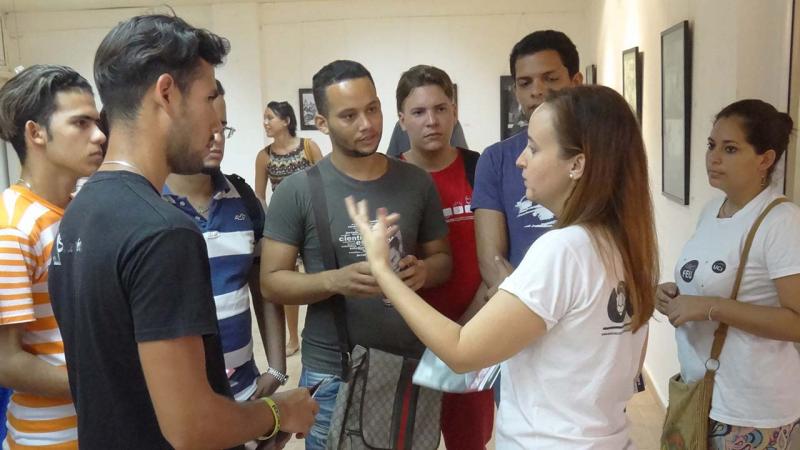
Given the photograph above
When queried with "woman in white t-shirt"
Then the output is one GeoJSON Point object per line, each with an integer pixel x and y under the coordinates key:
{"type": "Point", "coordinates": [756, 397]}
{"type": "Point", "coordinates": [569, 324]}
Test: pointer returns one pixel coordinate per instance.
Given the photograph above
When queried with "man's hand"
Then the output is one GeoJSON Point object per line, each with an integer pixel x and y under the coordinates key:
{"type": "Point", "coordinates": [265, 386]}
{"type": "Point", "coordinates": [355, 280]}
{"type": "Point", "coordinates": [413, 272]}
{"type": "Point", "coordinates": [504, 269]}
{"type": "Point", "coordinates": [664, 293]}
{"type": "Point", "coordinates": [297, 410]}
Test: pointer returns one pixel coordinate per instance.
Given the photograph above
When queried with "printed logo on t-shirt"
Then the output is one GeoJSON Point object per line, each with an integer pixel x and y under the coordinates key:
{"type": "Point", "coordinates": [56, 255]}
{"type": "Point", "coordinates": [351, 241]}
{"type": "Point", "coordinates": [687, 271]}
{"type": "Point", "coordinates": [459, 210]}
{"type": "Point", "coordinates": [718, 266]}
{"type": "Point", "coordinates": [619, 310]}
{"type": "Point", "coordinates": [542, 217]}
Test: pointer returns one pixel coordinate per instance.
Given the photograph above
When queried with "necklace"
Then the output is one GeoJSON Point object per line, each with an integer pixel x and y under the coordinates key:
{"type": "Point", "coordinates": [24, 183]}
{"type": "Point", "coordinates": [122, 163]}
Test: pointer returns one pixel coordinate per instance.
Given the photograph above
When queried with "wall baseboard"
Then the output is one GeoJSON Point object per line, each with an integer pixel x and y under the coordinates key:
{"type": "Point", "coordinates": [649, 386]}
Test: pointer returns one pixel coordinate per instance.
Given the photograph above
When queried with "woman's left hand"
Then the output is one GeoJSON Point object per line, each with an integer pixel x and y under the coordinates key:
{"type": "Point", "coordinates": [374, 236]}
{"type": "Point", "coordinates": [688, 308]}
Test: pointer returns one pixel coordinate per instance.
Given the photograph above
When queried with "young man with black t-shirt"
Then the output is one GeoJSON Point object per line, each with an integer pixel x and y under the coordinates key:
{"type": "Point", "coordinates": [129, 274]}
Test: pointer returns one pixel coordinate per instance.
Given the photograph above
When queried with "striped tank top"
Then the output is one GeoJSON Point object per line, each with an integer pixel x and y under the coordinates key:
{"type": "Point", "coordinates": [281, 166]}
{"type": "Point", "coordinates": [28, 227]}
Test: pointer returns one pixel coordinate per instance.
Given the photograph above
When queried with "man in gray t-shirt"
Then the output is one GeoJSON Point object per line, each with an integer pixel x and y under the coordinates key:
{"type": "Point", "coordinates": [350, 113]}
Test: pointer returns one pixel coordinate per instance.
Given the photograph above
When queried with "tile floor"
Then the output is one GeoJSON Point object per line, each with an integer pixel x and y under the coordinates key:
{"type": "Point", "coordinates": [644, 412]}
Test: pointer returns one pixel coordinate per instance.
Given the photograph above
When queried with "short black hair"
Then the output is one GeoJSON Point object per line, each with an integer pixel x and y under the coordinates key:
{"type": "Point", "coordinates": [546, 40]}
{"type": "Point", "coordinates": [285, 111]}
{"type": "Point", "coordinates": [335, 72]}
{"type": "Point", "coordinates": [31, 95]}
{"type": "Point", "coordinates": [137, 51]}
{"type": "Point", "coordinates": [765, 128]}
{"type": "Point", "coordinates": [220, 89]}
{"type": "Point", "coordinates": [422, 75]}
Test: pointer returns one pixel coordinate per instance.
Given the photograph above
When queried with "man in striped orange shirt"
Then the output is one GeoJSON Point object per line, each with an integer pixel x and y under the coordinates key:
{"type": "Point", "coordinates": [48, 114]}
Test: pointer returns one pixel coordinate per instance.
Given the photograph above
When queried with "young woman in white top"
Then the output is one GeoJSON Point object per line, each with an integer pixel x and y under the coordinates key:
{"type": "Point", "coordinates": [756, 397]}
{"type": "Point", "coordinates": [570, 322]}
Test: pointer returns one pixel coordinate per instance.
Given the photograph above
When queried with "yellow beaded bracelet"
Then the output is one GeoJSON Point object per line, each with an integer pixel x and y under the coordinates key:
{"type": "Point", "coordinates": [275, 414]}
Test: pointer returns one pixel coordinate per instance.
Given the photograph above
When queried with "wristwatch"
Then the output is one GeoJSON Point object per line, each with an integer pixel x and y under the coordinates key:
{"type": "Point", "coordinates": [278, 375]}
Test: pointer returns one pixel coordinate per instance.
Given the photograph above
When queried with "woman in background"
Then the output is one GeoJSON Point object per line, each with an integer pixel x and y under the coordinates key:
{"type": "Point", "coordinates": [756, 397]}
{"type": "Point", "coordinates": [286, 155]}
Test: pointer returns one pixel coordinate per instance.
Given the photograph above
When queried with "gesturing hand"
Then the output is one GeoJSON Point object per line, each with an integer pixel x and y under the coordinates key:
{"type": "Point", "coordinates": [375, 237]}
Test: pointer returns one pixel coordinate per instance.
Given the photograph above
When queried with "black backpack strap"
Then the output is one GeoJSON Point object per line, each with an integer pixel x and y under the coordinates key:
{"type": "Point", "coordinates": [319, 205]}
{"type": "Point", "coordinates": [470, 163]}
{"type": "Point", "coordinates": [251, 203]}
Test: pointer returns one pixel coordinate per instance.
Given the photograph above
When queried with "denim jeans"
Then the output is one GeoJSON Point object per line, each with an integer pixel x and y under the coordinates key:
{"type": "Point", "coordinates": [5, 395]}
{"type": "Point", "coordinates": [326, 397]}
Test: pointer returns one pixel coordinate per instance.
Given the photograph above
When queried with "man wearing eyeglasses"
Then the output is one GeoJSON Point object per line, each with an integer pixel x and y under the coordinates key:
{"type": "Point", "coordinates": [231, 219]}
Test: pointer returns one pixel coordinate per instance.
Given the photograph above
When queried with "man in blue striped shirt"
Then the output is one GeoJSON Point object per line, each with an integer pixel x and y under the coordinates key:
{"type": "Point", "coordinates": [231, 219]}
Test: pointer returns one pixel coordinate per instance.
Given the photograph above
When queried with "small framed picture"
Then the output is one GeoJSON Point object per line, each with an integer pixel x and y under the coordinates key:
{"type": "Point", "coordinates": [632, 80]}
{"type": "Point", "coordinates": [512, 118]}
{"type": "Point", "coordinates": [591, 74]}
{"type": "Point", "coordinates": [308, 109]}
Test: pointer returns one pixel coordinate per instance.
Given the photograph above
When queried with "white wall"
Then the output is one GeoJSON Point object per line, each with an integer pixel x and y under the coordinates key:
{"type": "Point", "coordinates": [733, 59]}
{"type": "Point", "coordinates": [471, 40]}
{"type": "Point", "coordinates": [278, 46]}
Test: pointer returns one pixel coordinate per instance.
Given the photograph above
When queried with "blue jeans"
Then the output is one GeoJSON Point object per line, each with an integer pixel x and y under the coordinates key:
{"type": "Point", "coordinates": [5, 395]}
{"type": "Point", "coordinates": [326, 397]}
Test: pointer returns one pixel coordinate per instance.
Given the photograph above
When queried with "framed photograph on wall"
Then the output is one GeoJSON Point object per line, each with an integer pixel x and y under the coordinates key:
{"type": "Point", "coordinates": [676, 101]}
{"type": "Point", "coordinates": [632, 80]}
{"type": "Point", "coordinates": [512, 118]}
{"type": "Point", "coordinates": [591, 74]}
{"type": "Point", "coordinates": [308, 109]}
{"type": "Point", "coordinates": [455, 95]}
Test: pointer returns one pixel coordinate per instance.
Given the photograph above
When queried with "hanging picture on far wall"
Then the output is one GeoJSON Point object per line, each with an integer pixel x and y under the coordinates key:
{"type": "Point", "coordinates": [676, 101]}
{"type": "Point", "coordinates": [632, 80]}
{"type": "Point", "coordinates": [512, 118]}
{"type": "Point", "coordinates": [308, 109]}
{"type": "Point", "coordinates": [591, 74]}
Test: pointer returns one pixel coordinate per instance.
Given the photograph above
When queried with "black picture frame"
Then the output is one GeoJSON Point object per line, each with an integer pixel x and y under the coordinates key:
{"type": "Point", "coordinates": [308, 109]}
{"type": "Point", "coordinates": [632, 79]}
{"type": "Point", "coordinates": [591, 74]}
{"type": "Point", "coordinates": [512, 118]}
{"type": "Point", "coordinates": [676, 108]}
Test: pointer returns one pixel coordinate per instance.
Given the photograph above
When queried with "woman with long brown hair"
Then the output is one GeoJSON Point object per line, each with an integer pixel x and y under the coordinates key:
{"type": "Point", "coordinates": [570, 323]}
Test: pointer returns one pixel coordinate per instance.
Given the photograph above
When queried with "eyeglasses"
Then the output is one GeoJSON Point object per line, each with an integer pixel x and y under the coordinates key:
{"type": "Point", "coordinates": [228, 131]}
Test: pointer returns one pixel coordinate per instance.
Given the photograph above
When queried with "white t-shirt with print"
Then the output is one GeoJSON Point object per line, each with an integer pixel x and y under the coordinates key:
{"type": "Point", "coordinates": [568, 390]}
{"type": "Point", "coordinates": [758, 381]}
